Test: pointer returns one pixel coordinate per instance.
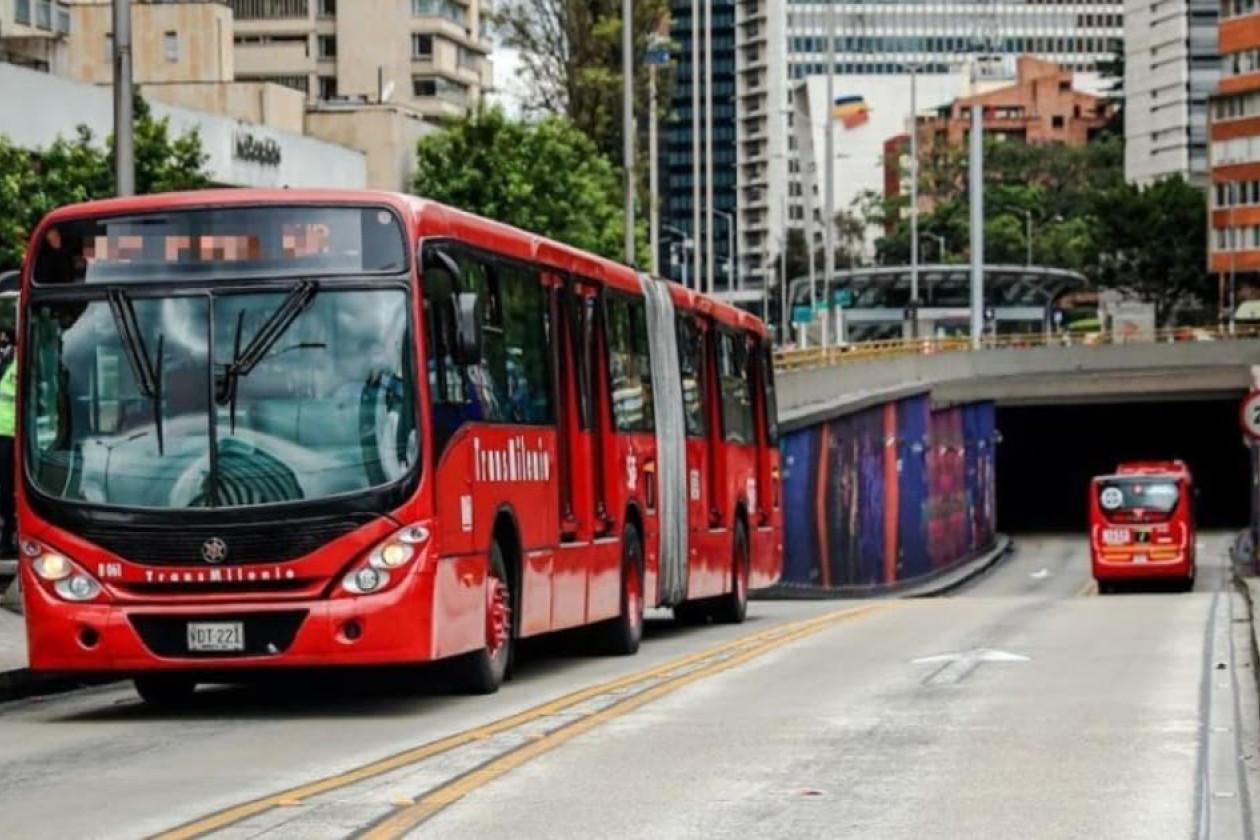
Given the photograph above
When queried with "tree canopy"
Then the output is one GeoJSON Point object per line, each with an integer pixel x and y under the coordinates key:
{"type": "Point", "coordinates": [36, 181]}
{"type": "Point", "coordinates": [543, 176]}
{"type": "Point", "coordinates": [1083, 216]}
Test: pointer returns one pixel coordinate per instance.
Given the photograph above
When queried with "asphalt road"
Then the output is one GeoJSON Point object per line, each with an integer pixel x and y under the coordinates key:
{"type": "Point", "coordinates": [1023, 705]}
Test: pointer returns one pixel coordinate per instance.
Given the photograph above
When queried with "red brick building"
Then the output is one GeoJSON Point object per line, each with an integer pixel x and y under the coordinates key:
{"type": "Point", "coordinates": [1041, 106]}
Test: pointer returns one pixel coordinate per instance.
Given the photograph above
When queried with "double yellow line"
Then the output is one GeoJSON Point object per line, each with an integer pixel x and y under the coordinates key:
{"type": "Point", "coordinates": [411, 814]}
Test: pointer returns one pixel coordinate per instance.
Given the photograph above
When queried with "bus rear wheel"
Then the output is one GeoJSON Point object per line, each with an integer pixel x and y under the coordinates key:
{"type": "Point", "coordinates": [732, 607]}
{"type": "Point", "coordinates": [483, 671]}
{"type": "Point", "coordinates": [165, 690]}
{"type": "Point", "coordinates": [623, 633]}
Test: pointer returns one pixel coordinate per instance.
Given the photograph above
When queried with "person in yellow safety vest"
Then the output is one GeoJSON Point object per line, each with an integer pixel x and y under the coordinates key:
{"type": "Point", "coordinates": [8, 411]}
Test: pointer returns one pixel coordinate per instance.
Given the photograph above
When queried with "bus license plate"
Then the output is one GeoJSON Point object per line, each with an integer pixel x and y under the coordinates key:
{"type": "Point", "coordinates": [1139, 559]}
{"type": "Point", "coordinates": [219, 636]}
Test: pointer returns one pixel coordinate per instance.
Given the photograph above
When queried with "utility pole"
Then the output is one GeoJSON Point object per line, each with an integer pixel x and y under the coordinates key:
{"type": "Point", "coordinates": [914, 202]}
{"type": "Point", "coordinates": [657, 54]}
{"type": "Point", "coordinates": [124, 117]}
{"type": "Point", "coordinates": [708, 146]}
{"type": "Point", "coordinates": [829, 165]}
{"type": "Point", "coordinates": [695, 135]}
{"type": "Point", "coordinates": [977, 217]}
{"type": "Point", "coordinates": [1028, 231]}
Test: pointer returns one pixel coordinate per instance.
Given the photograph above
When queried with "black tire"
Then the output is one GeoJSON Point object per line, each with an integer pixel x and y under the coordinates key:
{"type": "Point", "coordinates": [165, 690]}
{"type": "Point", "coordinates": [732, 608]}
{"type": "Point", "coordinates": [621, 635]}
{"type": "Point", "coordinates": [483, 671]}
{"type": "Point", "coordinates": [1188, 584]}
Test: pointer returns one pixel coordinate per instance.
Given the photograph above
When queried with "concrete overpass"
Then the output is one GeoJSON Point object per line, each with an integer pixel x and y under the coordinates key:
{"type": "Point", "coordinates": [814, 386]}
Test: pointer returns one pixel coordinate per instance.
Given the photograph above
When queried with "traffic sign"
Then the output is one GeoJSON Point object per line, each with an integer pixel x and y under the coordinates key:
{"type": "Point", "coordinates": [1250, 415]}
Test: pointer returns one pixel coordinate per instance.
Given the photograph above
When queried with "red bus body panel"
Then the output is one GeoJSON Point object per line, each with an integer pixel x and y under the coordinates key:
{"type": "Point", "coordinates": [485, 472]}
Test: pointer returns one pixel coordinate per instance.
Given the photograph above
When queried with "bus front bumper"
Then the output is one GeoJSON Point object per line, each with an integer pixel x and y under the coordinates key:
{"type": "Point", "coordinates": [387, 628]}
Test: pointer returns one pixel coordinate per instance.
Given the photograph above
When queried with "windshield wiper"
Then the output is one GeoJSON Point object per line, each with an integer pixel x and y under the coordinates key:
{"type": "Point", "coordinates": [147, 374]}
{"type": "Point", "coordinates": [276, 325]}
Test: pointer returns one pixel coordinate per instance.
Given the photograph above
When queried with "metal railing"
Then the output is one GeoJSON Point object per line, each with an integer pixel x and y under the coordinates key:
{"type": "Point", "coordinates": [793, 359]}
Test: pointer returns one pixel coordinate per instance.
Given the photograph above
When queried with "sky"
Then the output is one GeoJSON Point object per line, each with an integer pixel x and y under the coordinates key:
{"type": "Point", "coordinates": [508, 90]}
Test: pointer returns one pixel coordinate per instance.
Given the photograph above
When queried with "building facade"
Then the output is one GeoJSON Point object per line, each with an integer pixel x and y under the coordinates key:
{"type": "Point", "coordinates": [677, 173]}
{"type": "Point", "coordinates": [886, 38]}
{"type": "Point", "coordinates": [1234, 150]}
{"type": "Point", "coordinates": [1172, 65]}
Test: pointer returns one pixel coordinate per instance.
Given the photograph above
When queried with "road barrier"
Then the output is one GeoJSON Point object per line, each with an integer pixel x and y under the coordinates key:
{"type": "Point", "coordinates": [794, 359]}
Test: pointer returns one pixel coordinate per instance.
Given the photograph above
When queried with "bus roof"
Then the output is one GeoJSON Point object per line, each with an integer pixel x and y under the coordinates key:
{"type": "Point", "coordinates": [426, 218]}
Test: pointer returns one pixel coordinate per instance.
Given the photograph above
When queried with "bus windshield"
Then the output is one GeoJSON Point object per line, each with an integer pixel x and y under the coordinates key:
{"type": "Point", "coordinates": [220, 399]}
{"type": "Point", "coordinates": [1124, 495]}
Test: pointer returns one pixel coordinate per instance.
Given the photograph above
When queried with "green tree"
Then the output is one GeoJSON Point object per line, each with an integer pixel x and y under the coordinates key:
{"type": "Point", "coordinates": [570, 54]}
{"type": "Point", "coordinates": [543, 176]}
{"type": "Point", "coordinates": [1154, 243]}
{"type": "Point", "coordinates": [70, 170]}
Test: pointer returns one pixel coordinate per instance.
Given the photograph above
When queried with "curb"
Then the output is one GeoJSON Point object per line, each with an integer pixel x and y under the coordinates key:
{"type": "Point", "coordinates": [937, 583]}
{"type": "Point", "coordinates": [1248, 586]}
{"type": "Point", "coordinates": [23, 683]}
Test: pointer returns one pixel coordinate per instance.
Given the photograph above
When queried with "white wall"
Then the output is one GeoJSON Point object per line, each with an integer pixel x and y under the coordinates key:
{"type": "Point", "coordinates": [36, 108]}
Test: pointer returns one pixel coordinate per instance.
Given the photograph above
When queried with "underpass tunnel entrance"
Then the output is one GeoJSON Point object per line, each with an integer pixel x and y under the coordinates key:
{"type": "Point", "coordinates": [1048, 454]}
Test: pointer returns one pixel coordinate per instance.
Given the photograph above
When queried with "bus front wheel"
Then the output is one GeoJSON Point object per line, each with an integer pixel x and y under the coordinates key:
{"type": "Point", "coordinates": [732, 607]}
{"type": "Point", "coordinates": [483, 671]}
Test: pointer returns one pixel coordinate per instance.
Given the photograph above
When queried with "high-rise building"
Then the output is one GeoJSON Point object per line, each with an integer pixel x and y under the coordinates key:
{"type": "Point", "coordinates": [881, 37]}
{"type": "Point", "coordinates": [1171, 68]}
{"type": "Point", "coordinates": [1234, 151]}
{"type": "Point", "coordinates": [886, 38]}
{"type": "Point", "coordinates": [677, 174]}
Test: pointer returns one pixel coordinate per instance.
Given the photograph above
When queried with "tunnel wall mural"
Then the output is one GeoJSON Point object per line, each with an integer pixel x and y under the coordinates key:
{"type": "Point", "coordinates": [887, 494]}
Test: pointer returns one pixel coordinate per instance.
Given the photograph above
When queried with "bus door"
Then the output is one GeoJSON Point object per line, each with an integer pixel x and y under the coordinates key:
{"type": "Point", "coordinates": [765, 517]}
{"type": "Point", "coordinates": [693, 365]}
{"type": "Point", "coordinates": [710, 533]}
{"type": "Point", "coordinates": [582, 508]}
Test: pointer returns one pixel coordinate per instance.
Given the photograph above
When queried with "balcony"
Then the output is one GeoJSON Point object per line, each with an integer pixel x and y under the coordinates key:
{"type": "Point", "coordinates": [270, 9]}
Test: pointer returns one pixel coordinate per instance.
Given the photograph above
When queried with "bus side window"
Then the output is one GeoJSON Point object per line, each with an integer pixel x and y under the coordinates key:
{"type": "Point", "coordinates": [733, 370]}
{"type": "Point", "coordinates": [772, 401]}
{"type": "Point", "coordinates": [629, 363]}
{"type": "Point", "coordinates": [691, 368]}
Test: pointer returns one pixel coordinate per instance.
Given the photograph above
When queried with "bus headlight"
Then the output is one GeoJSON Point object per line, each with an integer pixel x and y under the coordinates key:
{"type": "Point", "coordinates": [68, 580]}
{"type": "Point", "coordinates": [365, 580]}
{"type": "Point", "coordinates": [52, 567]}
{"type": "Point", "coordinates": [392, 555]}
{"type": "Point", "coordinates": [78, 587]}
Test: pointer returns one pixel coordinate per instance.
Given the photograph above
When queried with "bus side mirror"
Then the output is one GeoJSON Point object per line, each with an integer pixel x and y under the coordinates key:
{"type": "Point", "coordinates": [468, 338]}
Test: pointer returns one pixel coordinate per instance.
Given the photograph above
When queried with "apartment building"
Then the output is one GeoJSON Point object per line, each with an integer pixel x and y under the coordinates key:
{"type": "Point", "coordinates": [429, 55]}
{"type": "Point", "coordinates": [1234, 151]}
{"type": "Point", "coordinates": [1172, 65]}
{"type": "Point", "coordinates": [33, 33]}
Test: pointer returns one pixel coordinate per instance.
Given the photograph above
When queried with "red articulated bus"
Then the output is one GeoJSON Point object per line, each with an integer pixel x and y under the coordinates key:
{"type": "Point", "coordinates": [1142, 525]}
{"type": "Point", "coordinates": [305, 428]}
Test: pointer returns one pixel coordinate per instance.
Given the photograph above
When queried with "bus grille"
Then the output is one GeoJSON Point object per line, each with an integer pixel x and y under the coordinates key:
{"type": "Point", "coordinates": [276, 542]}
{"type": "Point", "coordinates": [266, 633]}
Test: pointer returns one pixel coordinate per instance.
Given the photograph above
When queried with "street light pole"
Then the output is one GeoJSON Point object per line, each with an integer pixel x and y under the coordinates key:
{"type": "Point", "coordinates": [1028, 236]}
{"type": "Point", "coordinates": [627, 119]}
{"type": "Point", "coordinates": [914, 201]}
{"type": "Point", "coordinates": [730, 246]}
{"type": "Point", "coordinates": [977, 215]}
{"type": "Point", "coordinates": [708, 145]}
{"type": "Point", "coordinates": [657, 54]}
{"type": "Point", "coordinates": [1233, 251]}
{"type": "Point", "coordinates": [124, 118]}
{"type": "Point", "coordinates": [829, 151]}
{"type": "Point", "coordinates": [695, 131]}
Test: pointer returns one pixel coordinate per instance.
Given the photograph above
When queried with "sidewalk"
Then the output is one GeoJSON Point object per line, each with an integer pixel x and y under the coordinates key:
{"type": "Point", "coordinates": [12, 642]}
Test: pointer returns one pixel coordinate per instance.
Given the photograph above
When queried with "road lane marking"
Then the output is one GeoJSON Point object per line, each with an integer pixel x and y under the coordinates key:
{"type": "Point", "coordinates": [295, 795]}
{"type": "Point", "coordinates": [430, 804]}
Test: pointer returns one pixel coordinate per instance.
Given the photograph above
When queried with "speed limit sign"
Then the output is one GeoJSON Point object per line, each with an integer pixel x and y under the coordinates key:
{"type": "Point", "coordinates": [1251, 415]}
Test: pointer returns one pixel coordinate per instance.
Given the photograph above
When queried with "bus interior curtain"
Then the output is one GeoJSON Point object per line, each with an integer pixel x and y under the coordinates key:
{"type": "Point", "coordinates": [671, 452]}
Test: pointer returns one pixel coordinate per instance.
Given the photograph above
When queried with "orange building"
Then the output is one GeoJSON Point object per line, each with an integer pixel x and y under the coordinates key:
{"type": "Point", "coordinates": [1234, 132]}
{"type": "Point", "coordinates": [1040, 107]}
